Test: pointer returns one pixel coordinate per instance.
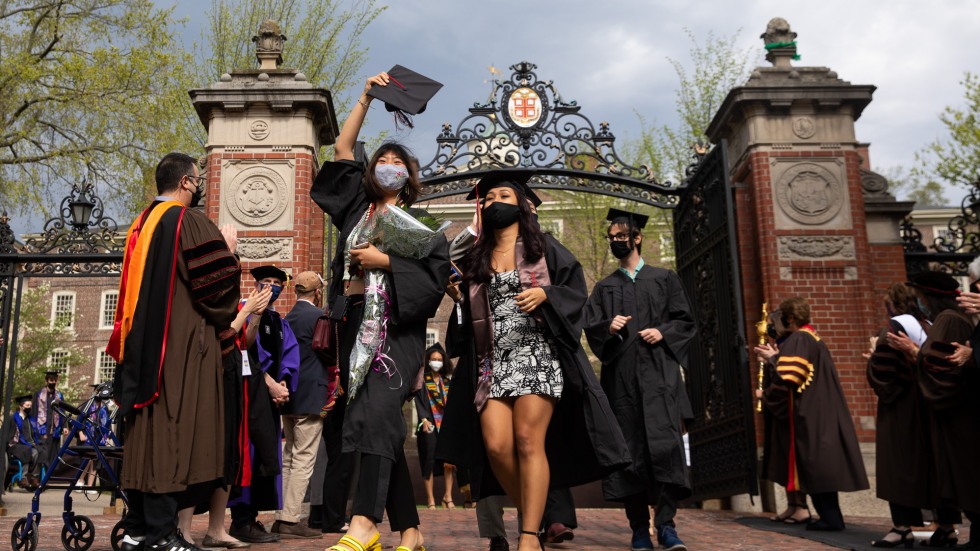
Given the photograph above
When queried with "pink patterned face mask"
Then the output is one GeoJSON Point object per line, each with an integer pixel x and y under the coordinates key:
{"type": "Point", "coordinates": [391, 177]}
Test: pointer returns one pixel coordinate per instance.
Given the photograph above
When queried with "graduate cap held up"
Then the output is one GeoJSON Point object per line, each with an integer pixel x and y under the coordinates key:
{"type": "Point", "coordinates": [512, 178]}
{"type": "Point", "coordinates": [262, 272]}
{"type": "Point", "coordinates": [407, 92]}
{"type": "Point", "coordinates": [638, 221]}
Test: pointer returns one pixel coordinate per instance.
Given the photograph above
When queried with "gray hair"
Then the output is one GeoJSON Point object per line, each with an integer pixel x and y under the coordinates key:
{"type": "Point", "coordinates": [974, 269]}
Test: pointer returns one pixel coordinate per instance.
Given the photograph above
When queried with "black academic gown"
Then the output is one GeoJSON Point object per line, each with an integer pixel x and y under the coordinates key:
{"type": "Point", "coordinates": [903, 461]}
{"type": "Point", "coordinates": [643, 381]}
{"type": "Point", "coordinates": [584, 442]}
{"type": "Point", "coordinates": [954, 410]}
{"type": "Point", "coordinates": [373, 421]}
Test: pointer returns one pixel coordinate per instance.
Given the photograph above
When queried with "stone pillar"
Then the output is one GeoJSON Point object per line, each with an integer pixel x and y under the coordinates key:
{"type": "Point", "coordinates": [265, 130]}
{"type": "Point", "coordinates": [812, 220]}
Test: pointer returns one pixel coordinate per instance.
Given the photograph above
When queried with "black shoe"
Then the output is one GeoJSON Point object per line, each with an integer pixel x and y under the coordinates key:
{"type": "Point", "coordinates": [499, 543]}
{"type": "Point", "coordinates": [253, 532]}
{"type": "Point", "coordinates": [175, 542]}
{"type": "Point", "coordinates": [970, 545]}
{"type": "Point", "coordinates": [131, 543]}
{"type": "Point", "coordinates": [942, 538]}
{"type": "Point", "coordinates": [824, 526]}
{"type": "Point", "coordinates": [906, 541]}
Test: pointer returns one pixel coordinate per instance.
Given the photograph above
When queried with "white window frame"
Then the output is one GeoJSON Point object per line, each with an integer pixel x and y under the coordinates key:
{"type": "Point", "coordinates": [64, 371]}
{"type": "Point", "coordinates": [431, 337]}
{"type": "Point", "coordinates": [54, 307]}
{"type": "Point", "coordinates": [107, 322]}
{"type": "Point", "coordinates": [554, 225]}
{"type": "Point", "coordinates": [100, 357]}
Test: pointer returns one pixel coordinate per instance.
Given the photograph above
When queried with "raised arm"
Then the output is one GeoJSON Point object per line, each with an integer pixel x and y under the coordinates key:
{"type": "Point", "coordinates": [344, 148]}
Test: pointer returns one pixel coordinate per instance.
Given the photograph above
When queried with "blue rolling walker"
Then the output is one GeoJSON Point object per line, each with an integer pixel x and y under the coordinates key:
{"type": "Point", "coordinates": [78, 532]}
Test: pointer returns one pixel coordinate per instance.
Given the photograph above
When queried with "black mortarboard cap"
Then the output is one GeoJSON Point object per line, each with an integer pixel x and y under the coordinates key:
{"type": "Point", "coordinates": [935, 283]}
{"type": "Point", "coordinates": [262, 272]}
{"type": "Point", "coordinates": [512, 178]}
{"type": "Point", "coordinates": [638, 221]}
{"type": "Point", "coordinates": [52, 372]}
{"type": "Point", "coordinates": [21, 399]}
{"type": "Point", "coordinates": [407, 91]}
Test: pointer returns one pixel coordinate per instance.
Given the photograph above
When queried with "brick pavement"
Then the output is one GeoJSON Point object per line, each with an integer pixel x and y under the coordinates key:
{"type": "Point", "coordinates": [455, 530]}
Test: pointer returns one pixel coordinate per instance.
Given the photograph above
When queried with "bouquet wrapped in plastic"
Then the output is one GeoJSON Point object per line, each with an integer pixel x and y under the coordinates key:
{"type": "Point", "coordinates": [395, 232]}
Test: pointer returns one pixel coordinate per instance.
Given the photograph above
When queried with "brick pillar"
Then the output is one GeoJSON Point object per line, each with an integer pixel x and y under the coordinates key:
{"type": "Point", "coordinates": [812, 220]}
{"type": "Point", "coordinates": [265, 130]}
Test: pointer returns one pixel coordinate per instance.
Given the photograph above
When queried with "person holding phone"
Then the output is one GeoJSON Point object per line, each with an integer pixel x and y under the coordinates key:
{"type": "Point", "coordinates": [350, 193]}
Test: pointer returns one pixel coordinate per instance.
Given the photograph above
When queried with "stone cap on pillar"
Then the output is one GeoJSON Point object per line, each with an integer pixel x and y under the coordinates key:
{"type": "Point", "coordinates": [281, 90]}
{"type": "Point", "coordinates": [780, 87]}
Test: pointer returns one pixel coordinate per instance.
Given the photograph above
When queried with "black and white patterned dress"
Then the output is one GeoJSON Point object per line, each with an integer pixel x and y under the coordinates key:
{"type": "Point", "coordinates": [524, 361]}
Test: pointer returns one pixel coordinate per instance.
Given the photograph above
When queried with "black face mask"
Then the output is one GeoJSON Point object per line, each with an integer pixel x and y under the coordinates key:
{"type": "Point", "coordinates": [52, 385]}
{"type": "Point", "coordinates": [196, 198]}
{"type": "Point", "coordinates": [501, 215]}
{"type": "Point", "coordinates": [620, 249]}
{"type": "Point", "coordinates": [28, 411]}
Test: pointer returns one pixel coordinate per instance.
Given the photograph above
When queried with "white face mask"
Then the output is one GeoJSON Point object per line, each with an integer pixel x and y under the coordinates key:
{"type": "Point", "coordinates": [435, 365]}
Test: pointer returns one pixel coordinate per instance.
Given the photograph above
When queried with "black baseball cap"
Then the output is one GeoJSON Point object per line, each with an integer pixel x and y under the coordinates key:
{"type": "Point", "coordinates": [516, 178]}
{"type": "Point", "coordinates": [407, 91]}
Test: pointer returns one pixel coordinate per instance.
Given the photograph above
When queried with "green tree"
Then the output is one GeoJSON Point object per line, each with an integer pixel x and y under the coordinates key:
{"type": "Point", "coordinates": [77, 79]}
{"type": "Point", "coordinates": [716, 66]}
{"type": "Point", "coordinates": [955, 158]}
{"type": "Point", "coordinates": [910, 186]}
{"type": "Point", "coordinates": [40, 337]}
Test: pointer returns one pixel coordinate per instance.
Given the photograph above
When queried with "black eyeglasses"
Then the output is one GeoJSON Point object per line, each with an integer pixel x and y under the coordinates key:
{"type": "Point", "coordinates": [618, 237]}
{"type": "Point", "coordinates": [199, 180]}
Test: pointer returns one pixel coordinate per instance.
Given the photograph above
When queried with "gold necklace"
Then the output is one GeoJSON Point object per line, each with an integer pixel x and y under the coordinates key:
{"type": "Point", "coordinates": [503, 250]}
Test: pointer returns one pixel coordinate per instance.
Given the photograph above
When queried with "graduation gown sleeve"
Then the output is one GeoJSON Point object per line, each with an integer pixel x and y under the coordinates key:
{"type": "Point", "coordinates": [419, 285]}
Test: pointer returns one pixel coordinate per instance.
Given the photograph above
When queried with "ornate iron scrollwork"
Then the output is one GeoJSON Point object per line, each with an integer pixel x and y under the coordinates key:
{"type": "Point", "coordinates": [951, 250]}
{"type": "Point", "coordinates": [82, 242]}
{"type": "Point", "coordinates": [526, 123]}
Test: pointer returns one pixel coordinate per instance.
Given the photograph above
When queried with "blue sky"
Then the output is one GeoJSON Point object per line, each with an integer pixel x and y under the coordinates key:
{"type": "Point", "coordinates": [612, 56]}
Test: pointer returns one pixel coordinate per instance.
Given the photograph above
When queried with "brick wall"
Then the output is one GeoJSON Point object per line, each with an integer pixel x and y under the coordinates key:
{"type": "Point", "coordinates": [845, 304]}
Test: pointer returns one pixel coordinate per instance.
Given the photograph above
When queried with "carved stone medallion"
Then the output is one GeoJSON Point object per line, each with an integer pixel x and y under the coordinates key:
{"type": "Point", "coordinates": [259, 130]}
{"type": "Point", "coordinates": [266, 248]}
{"type": "Point", "coordinates": [809, 193]}
{"type": "Point", "coordinates": [804, 127]}
{"type": "Point", "coordinates": [829, 247]}
{"type": "Point", "coordinates": [257, 196]}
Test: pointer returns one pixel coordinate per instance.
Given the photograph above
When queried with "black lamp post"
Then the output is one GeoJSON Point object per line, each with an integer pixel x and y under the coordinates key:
{"type": "Point", "coordinates": [81, 206]}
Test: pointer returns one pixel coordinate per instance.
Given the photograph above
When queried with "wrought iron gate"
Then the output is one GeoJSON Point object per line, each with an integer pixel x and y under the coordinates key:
{"type": "Point", "coordinates": [722, 437]}
{"type": "Point", "coordinates": [80, 242]}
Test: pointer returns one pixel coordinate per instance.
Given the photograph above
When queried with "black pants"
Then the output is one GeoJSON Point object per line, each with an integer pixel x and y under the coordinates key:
{"type": "Point", "coordinates": [974, 517]}
{"type": "Point", "coordinates": [560, 507]}
{"type": "Point", "coordinates": [151, 515]}
{"type": "Point", "coordinates": [383, 485]}
{"type": "Point", "coordinates": [638, 513]}
{"type": "Point", "coordinates": [340, 469]}
{"type": "Point", "coordinates": [828, 509]}
{"type": "Point", "coordinates": [243, 515]}
{"type": "Point", "coordinates": [903, 515]}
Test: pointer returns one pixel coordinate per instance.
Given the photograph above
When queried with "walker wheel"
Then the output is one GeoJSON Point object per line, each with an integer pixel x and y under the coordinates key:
{"type": "Point", "coordinates": [80, 535]}
{"type": "Point", "coordinates": [118, 531]}
{"type": "Point", "coordinates": [22, 539]}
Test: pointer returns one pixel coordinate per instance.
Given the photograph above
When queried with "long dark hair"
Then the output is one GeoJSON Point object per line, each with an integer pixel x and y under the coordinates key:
{"type": "Point", "coordinates": [447, 365]}
{"type": "Point", "coordinates": [413, 188]}
{"type": "Point", "coordinates": [476, 264]}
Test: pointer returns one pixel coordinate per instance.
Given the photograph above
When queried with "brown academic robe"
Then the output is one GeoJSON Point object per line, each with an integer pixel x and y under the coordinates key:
{"type": "Point", "coordinates": [902, 443]}
{"type": "Point", "coordinates": [954, 411]}
{"type": "Point", "coordinates": [810, 412]}
{"type": "Point", "coordinates": [178, 439]}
